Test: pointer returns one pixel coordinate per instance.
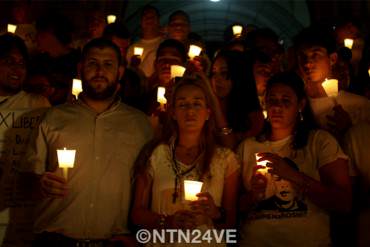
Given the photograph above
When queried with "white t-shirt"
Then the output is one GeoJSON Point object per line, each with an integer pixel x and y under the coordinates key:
{"type": "Point", "coordinates": [285, 217]}
{"type": "Point", "coordinates": [224, 164]}
{"type": "Point", "coordinates": [356, 106]}
{"type": "Point", "coordinates": [147, 58]}
{"type": "Point", "coordinates": [23, 100]}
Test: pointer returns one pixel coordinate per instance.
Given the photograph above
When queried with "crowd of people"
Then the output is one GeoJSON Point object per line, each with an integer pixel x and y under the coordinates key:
{"type": "Point", "coordinates": [281, 159]}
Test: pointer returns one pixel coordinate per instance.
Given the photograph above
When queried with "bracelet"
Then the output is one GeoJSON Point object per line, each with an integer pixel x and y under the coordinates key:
{"type": "Point", "coordinates": [162, 221]}
{"type": "Point", "coordinates": [226, 131]}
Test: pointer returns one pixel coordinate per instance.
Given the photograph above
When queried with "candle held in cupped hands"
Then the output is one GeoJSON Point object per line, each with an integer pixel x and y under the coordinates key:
{"type": "Point", "coordinates": [348, 43]}
{"type": "Point", "coordinates": [237, 30]}
{"type": "Point", "coordinates": [262, 164]}
{"type": "Point", "coordinates": [191, 189]}
{"type": "Point", "coordinates": [66, 159]}
{"type": "Point", "coordinates": [111, 19]}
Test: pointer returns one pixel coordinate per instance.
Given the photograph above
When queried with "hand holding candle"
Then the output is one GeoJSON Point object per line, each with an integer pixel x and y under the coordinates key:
{"type": "Point", "coordinates": [161, 99]}
{"type": "Point", "coordinates": [263, 164]}
{"type": "Point", "coordinates": [194, 51]}
{"type": "Point", "coordinates": [66, 159]}
{"type": "Point", "coordinates": [76, 87]}
{"type": "Point", "coordinates": [192, 188]}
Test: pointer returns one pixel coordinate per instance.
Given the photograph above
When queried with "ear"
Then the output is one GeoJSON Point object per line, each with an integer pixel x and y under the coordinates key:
{"type": "Point", "coordinates": [121, 71]}
{"type": "Point", "coordinates": [333, 57]}
{"type": "Point", "coordinates": [302, 104]}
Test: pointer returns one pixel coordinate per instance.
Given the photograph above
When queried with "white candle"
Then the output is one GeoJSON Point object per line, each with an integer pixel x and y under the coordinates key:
{"type": "Point", "coordinates": [161, 98]}
{"type": "Point", "coordinates": [237, 30]}
{"type": "Point", "coordinates": [138, 51]}
{"type": "Point", "coordinates": [330, 87]}
{"type": "Point", "coordinates": [194, 51]}
{"type": "Point", "coordinates": [66, 159]}
{"type": "Point", "coordinates": [192, 188]}
{"type": "Point", "coordinates": [368, 71]}
{"type": "Point", "coordinates": [76, 87]}
{"type": "Point", "coordinates": [348, 43]}
{"type": "Point", "coordinates": [264, 114]}
{"type": "Point", "coordinates": [111, 19]}
{"type": "Point", "coordinates": [177, 71]}
{"type": "Point", "coordinates": [263, 169]}
{"type": "Point", "coordinates": [12, 28]}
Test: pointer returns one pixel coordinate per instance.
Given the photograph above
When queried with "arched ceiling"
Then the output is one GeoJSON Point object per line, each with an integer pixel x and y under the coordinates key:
{"type": "Point", "coordinates": [209, 19]}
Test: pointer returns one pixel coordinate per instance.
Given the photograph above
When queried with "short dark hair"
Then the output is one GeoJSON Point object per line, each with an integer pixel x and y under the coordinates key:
{"type": "Point", "coordinates": [179, 12]}
{"type": "Point", "coordinates": [116, 29]}
{"type": "Point", "coordinates": [316, 36]}
{"type": "Point", "coordinates": [8, 42]}
{"type": "Point", "coordinates": [58, 24]}
{"type": "Point", "coordinates": [149, 7]}
{"type": "Point", "coordinates": [172, 43]}
{"type": "Point", "coordinates": [100, 43]}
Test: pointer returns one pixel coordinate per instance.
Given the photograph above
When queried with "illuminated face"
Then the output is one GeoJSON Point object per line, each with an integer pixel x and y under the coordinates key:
{"type": "Point", "coordinates": [12, 72]}
{"type": "Point", "coordinates": [190, 109]}
{"type": "Point", "coordinates": [314, 64]}
{"type": "Point", "coordinates": [282, 107]}
{"type": "Point", "coordinates": [149, 20]}
{"type": "Point", "coordinates": [167, 57]}
{"type": "Point", "coordinates": [220, 82]}
{"type": "Point", "coordinates": [261, 73]}
{"type": "Point", "coordinates": [179, 28]}
{"type": "Point", "coordinates": [96, 24]}
{"type": "Point", "coordinates": [100, 72]}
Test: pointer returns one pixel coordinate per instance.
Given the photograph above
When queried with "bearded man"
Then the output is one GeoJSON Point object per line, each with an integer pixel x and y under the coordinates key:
{"type": "Point", "coordinates": [90, 206]}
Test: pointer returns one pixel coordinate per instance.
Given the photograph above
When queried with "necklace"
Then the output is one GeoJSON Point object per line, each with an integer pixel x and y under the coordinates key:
{"type": "Point", "coordinates": [179, 173]}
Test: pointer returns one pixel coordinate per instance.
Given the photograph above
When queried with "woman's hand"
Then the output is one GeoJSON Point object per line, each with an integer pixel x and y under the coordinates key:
{"type": "Point", "coordinates": [258, 187]}
{"type": "Point", "coordinates": [280, 167]}
{"type": "Point", "coordinates": [182, 219]}
{"type": "Point", "coordinates": [205, 205]}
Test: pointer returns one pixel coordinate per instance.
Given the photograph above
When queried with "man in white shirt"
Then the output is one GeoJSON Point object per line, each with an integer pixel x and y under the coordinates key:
{"type": "Point", "coordinates": [90, 206]}
{"type": "Point", "coordinates": [150, 40]}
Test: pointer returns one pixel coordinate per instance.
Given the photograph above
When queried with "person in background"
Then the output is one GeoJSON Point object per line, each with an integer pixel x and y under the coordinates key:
{"type": "Point", "coordinates": [321, 182]}
{"type": "Point", "coordinates": [91, 205]}
{"type": "Point", "coordinates": [15, 105]}
{"type": "Point", "coordinates": [150, 39]}
{"type": "Point", "coordinates": [238, 114]}
{"type": "Point", "coordinates": [56, 57]}
{"type": "Point", "coordinates": [187, 150]}
{"type": "Point", "coordinates": [133, 83]}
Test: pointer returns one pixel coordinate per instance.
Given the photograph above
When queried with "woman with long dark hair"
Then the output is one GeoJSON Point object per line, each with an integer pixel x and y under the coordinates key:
{"type": "Point", "coordinates": [293, 173]}
{"type": "Point", "coordinates": [186, 150]}
{"type": "Point", "coordinates": [238, 114]}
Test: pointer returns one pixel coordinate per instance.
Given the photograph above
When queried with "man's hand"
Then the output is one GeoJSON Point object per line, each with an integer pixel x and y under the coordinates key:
{"type": "Point", "coordinates": [53, 186]}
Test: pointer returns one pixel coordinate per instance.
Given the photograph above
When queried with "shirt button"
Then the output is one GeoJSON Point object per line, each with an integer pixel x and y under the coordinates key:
{"type": "Point", "coordinates": [91, 205]}
{"type": "Point", "coordinates": [97, 157]}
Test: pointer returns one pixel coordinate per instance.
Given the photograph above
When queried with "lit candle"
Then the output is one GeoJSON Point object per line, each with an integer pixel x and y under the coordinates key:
{"type": "Point", "coordinates": [192, 188]}
{"type": "Point", "coordinates": [111, 19]}
{"type": "Point", "coordinates": [263, 169]}
{"type": "Point", "coordinates": [368, 71]}
{"type": "Point", "coordinates": [194, 51]}
{"type": "Point", "coordinates": [138, 51]}
{"type": "Point", "coordinates": [265, 114]}
{"type": "Point", "coordinates": [237, 30]}
{"type": "Point", "coordinates": [161, 98]}
{"type": "Point", "coordinates": [76, 87]}
{"type": "Point", "coordinates": [66, 159]}
{"type": "Point", "coordinates": [348, 43]}
{"type": "Point", "coordinates": [177, 71]}
{"type": "Point", "coordinates": [12, 28]}
{"type": "Point", "coordinates": [330, 87]}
